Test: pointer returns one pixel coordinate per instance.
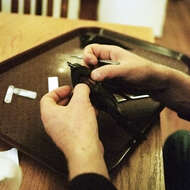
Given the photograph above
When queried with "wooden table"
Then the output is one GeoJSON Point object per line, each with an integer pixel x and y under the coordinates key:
{"type": "Point", "coordinates": [144, 170]}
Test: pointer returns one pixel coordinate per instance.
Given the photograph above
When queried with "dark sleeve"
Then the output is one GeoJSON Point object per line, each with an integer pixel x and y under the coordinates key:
{"type": "Point", "coordinates": [176, 154]}
{"type": "Point", "coordinates": [91, 182]}
{"type": "Point", "coordinates": [184, 116]}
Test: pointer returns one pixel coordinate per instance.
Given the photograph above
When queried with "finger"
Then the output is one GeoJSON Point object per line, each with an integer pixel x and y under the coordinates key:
{"type": "Point", "coordinates": [89, 56]}
{"type": "Point", "coordinates": [55, 96]}
{"type": "Point", "coordinates": [94, 51]}
{"type": "Point", "coordinates": [64, 101]}
{"type": "Point", "coordinates": [80, 95]}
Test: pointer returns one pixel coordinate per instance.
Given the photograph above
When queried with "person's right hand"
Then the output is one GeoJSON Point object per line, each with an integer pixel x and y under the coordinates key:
{"type": "Point", "coordinates": [71, 123]}
{"type": "Point", "coordinates": [169, 86]}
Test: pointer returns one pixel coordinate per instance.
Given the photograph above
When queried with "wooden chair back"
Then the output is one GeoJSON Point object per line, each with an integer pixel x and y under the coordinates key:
{"type": "Point", "coordinates": [83, 9]}
{"type": "Point", "coordinates": [56, 8]}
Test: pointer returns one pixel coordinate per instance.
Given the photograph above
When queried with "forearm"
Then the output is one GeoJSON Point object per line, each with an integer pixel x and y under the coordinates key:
{"type": "Point", "coordinates": [181, 98]}
{"type": "Point", "coordinates": [87, 161]}
{"type": "Point", "coordinates": [176, 92]}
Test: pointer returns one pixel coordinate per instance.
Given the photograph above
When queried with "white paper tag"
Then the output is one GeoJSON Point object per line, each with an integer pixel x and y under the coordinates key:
{"type": "Point", "coordinates": [10, 171]}
{"type": "Point", "coordinates": [25, 93]}
{"type": "Point", "coordinates": [11, 154]}
{"type": "Point", "coordinates": [9, 94]}
{"type": "Point", "coordinates": [53, 83]}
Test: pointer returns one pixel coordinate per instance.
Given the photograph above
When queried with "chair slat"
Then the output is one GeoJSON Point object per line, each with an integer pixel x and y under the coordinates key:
{"type": "Point", "coordinates": [0, 5]}
{"type": "Point", "coordinates": [14, 6]}
{"type": "Point", "coordinates": [50, 8]}
{"type": "Point", "coordinates": [26, 6]}
{"type": "Point", "coordinates": [56, 8]}
{"type": "Point", "coordinates": [38, 7]}
{"type": "Point", "coordinates": [64, 8]}
{"type": "Point", "coordinates": [88, 9]}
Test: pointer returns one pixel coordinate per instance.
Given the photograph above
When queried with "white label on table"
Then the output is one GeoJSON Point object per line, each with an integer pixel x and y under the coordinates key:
{"type": "Point", "coordinates": [53, 83]}
{"type": "Point", "coordinates": [25, 93]}
{"type": "Point", "coordinates": [9, 94]}
{"type": "Point", "coordinates": [11, 154]}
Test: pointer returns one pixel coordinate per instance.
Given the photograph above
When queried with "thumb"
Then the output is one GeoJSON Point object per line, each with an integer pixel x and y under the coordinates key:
{"type": "Point", "coordinates": [107, 72]}
{"type": "Point", "coordinates": [80, 95]}
{"type": "Point", "coordinates": [53, 97]}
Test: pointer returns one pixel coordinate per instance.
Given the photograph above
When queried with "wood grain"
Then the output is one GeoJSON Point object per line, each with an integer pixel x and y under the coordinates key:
{"type": "Point", "coordinates": [170, 123]}
{"type": "Point", "coordinates": [175, 36]}
{"type": "Point", "coordinates": [144, 170]}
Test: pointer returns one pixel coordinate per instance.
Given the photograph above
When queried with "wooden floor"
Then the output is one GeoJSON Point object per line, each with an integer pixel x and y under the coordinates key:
{"type": "Point", "coordinates": [176, 33]}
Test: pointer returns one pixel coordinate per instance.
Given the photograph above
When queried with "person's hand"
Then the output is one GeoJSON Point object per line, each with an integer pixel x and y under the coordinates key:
{"type": "Point", "coordinates": [72, 125]}
{"type": "Point", "coordinates": [69, 124]}
{"type": "Point", "coordinates": [167, 85]}
{"type": "Point", "coordinates": [134, 69]}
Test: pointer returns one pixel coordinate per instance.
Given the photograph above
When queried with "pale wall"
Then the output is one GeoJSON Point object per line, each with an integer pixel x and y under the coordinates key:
{"type": "Point", "coordinates": [134, 12]}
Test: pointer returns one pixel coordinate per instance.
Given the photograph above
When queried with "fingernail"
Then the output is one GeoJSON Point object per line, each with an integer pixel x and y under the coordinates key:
{"type": "Point", "coordinates": [91, 59]}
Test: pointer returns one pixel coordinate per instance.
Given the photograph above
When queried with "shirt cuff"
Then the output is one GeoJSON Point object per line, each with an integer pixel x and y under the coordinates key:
{"type": "Point", "coordinates": [184, 116]}
{"type": "Point", "coordinates": [90, 181]}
